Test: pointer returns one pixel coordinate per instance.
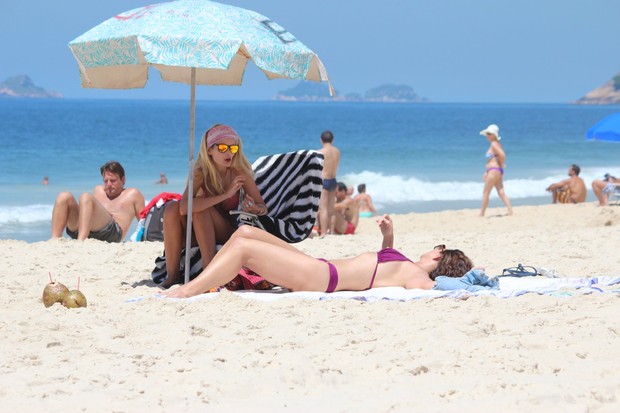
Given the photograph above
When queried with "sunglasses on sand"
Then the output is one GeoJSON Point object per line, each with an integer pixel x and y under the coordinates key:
{"type": "Point", "coordinates": [223, 148]}
{"type": "Point", "coordinates": [440, 247]}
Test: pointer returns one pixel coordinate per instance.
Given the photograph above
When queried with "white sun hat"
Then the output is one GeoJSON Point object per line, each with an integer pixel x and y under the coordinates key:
{"type": "Point", "coordinates": [493, 130]}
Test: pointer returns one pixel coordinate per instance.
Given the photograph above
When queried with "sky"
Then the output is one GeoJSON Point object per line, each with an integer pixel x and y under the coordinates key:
{"type": "Point", "coordinates": [497, 51]}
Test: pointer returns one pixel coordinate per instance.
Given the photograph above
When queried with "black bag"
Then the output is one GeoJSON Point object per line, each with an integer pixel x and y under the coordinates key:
{"type": "Point", "coordinates": [154, 223]}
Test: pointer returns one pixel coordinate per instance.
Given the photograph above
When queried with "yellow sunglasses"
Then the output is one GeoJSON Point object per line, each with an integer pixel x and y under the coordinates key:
{"type": "Point", "coordinates": [223, 148]}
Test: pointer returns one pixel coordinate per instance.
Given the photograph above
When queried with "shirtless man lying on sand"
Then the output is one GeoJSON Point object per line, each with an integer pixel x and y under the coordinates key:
{"type": "Point", "coordinates": [106, 214]}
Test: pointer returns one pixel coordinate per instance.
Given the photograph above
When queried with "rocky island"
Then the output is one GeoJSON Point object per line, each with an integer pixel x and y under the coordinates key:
{"type": "Point", "coordinates": [23, 87]}
{"type": "Point", "coordinates": [319, 92]}
{"type": "Point", "coordinates": [607, 94]}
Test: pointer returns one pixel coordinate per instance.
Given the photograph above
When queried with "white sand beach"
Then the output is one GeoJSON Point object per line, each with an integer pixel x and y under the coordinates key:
{"type": "Point", "coordinates": [534, 353]}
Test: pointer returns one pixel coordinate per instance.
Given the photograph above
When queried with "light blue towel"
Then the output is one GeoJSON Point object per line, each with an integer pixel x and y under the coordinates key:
{"type": "Point", "coordinates": [474, 280]}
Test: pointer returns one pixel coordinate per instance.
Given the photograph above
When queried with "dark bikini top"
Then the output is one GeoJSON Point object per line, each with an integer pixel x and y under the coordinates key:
{"type": "Point", "coordinates": [387, 255]}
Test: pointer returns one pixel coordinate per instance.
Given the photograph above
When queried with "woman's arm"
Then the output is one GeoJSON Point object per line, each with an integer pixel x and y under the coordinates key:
{"type": "Point", "coordinates": [203, 202]}
{"type": "Point", "coordinates": [371, 206]}
{"type": "Point", "coordinates": [499, 153]}
{"type": "Point", "coordinates": [256, 204]}
{"type": "Point", "coordinates": [387, 229]}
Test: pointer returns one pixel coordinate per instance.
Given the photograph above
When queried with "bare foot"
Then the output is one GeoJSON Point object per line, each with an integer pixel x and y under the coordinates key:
{"type": "Point", "coordinates": [170, 281]}
{"type": "Point", "coordinates": [178, 292]}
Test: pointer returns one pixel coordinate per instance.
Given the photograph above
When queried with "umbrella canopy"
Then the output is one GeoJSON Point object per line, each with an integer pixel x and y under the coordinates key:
{"type": "Point", "coordinates": [607, 129]}
{"type": "Point", "coordinates": [194, 42]}
{"type": "Point", "coordinates": [216, 39]}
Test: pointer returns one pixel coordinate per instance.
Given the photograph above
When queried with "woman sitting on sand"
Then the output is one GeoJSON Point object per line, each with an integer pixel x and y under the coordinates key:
{"type": "Point", "coordinates": [221, 171]}
{"type": "Point", "coordinates": [284, 265]}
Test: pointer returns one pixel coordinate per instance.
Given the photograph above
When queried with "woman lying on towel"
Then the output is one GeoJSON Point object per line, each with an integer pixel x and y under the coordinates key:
{"type": "Point", "coordinates": [284, 265]}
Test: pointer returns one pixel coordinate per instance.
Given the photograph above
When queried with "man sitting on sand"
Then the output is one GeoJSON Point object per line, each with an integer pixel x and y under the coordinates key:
{"type": "Point", "coordinates": [603, 187]}
{"type": "Point", "coordinates": [571, 190]}
{"type": "Point", "coordinates": [106, 214]}
{"type": "Point", "coordinates": [346, 215]}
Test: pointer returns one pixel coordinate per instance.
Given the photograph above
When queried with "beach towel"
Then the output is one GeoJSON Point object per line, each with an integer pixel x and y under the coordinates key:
{"type": "Point", "coordinates": [506, 287]}
{"type": "Point", "coordinates": [290, 184]}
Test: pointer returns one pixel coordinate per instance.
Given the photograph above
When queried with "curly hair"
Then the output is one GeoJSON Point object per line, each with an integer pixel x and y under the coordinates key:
{"type": "Point", "coordinates": [454, 263]}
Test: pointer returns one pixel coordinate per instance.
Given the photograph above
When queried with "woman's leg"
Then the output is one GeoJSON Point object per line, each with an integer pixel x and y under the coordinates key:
{"type": "Point", "coordinates": [174, 236]}
{"type": "Point", "coordinates": [499, 187]}
{"type": "Point", "coordinates": [280, 265]}
{"type": "Point", "coordinates": [210, 229]}
{"type": "Point", "coordinates": [247, 231]}
{"type": "Point", "coordinates": [597, 187]}
{"type": "Point", "coordinates": [486, 192]}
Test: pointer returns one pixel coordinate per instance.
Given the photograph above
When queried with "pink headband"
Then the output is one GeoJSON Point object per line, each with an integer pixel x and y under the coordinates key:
{"type": "Point", "coordinates": [220, 132]}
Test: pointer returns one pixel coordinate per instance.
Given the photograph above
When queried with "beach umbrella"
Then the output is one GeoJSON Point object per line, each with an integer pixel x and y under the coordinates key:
{"type": "Point", "coordinates": [607, 129]}
{"type": "Point", "coordinates": [197, 42]}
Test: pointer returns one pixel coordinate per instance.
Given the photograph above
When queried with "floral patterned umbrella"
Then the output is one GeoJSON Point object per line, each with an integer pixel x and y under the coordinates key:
{"type": "Point", "coordinates": [216, 39]}
{"type": "Point", "coordinates": [190, 41]}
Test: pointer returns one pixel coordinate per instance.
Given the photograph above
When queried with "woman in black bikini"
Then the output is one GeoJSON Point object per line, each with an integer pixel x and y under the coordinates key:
{"type": "Point", "coordinates": [494, 174]}
{"type": "Point", "coordinates": [284, 265]}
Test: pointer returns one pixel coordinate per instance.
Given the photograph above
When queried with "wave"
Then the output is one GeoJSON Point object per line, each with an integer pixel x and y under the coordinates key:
{"type": "Point", "coordinates": [26, 214]}
{"type": "Point", "coordinates": [384, 189]}
{"type": "Point", "coordinates": [391, 189]}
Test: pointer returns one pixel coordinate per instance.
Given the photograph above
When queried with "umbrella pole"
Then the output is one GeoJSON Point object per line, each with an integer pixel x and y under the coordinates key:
{"type": "Point", "coordinates": [190, 180]}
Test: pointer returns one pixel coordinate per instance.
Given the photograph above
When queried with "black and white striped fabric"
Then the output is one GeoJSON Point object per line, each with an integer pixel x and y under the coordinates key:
{"type": "Point", "coordinates": [290, 184]}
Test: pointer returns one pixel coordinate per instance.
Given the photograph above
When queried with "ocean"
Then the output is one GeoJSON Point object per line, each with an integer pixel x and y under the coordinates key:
{"type": "Point", "coordinates": [412, 157]}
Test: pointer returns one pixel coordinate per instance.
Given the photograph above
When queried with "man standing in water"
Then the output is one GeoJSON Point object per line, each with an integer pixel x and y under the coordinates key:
{"type": "Point", "coordinates": [106, 214]}
{"type": "Point", "coordinates": [331, 156]}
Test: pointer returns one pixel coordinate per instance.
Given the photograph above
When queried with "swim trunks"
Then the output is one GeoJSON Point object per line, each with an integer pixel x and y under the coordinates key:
{"type": "Point", "coordinates": [329, 184]}
{"type": "Point", "coordinates": [366, 214]}
{"type": "Point", "coordinates": [333, 276]}
{"type": "Point", "coordinates": [564, 197]}
{"type": "Point", "coordinates": [110, 233]}
{"type": "Point", "coordinates": [350, 229]}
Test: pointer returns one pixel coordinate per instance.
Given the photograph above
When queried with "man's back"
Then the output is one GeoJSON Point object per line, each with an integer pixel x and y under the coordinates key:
{"type": "Point", "coordinates": [577, 189]}
{"type": "Point", "coordinates": [331, 156]}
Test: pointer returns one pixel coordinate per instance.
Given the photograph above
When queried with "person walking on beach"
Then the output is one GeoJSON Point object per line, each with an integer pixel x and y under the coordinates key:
{"type": "Point", "coordinates": [221, 172]}
{"type": "Point", "coordinates": [331, 156]}
{"type": "Point", "coordinates": [571, 190]}
{"type": "Point", "coordinates": [494, 175]}
{"type": "Point", "coordinates": [346, 215]}
{"type": "Point", "coordinates": [105, 215]}
{"type": "Point", "coordinates": [364, 202]}
{"type": "Point", "coordinates": [284, 265]}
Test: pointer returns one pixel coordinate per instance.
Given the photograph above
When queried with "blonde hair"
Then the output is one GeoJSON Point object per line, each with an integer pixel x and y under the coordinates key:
{"type": "Point", "coordinates": [210, 177]}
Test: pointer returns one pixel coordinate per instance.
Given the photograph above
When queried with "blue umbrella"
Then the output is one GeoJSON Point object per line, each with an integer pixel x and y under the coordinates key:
{"type": "Point", "coordinates": [607, 129]}
{"type": "Point", "coordinates": [195, 42]}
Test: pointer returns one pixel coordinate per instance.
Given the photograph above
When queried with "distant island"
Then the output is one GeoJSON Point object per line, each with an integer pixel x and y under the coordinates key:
{"type": "Point", "coordinates": [607, 94]}
{"type": "Point", "coordinates": [23, 87]}
{"type": "Point", "coordinates": [319, 92]}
